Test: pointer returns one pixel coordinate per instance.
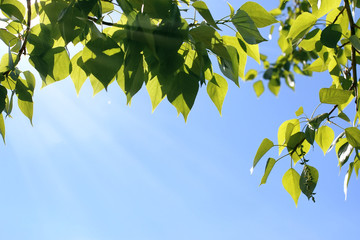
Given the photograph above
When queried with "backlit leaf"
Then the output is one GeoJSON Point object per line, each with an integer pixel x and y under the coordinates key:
{"type": "Point", "coordinates": [301, 26]}
{"type": "Point", "coordinates": [183, 92]}
{"type": "Point", "coordinates": [247, 28]}
{"type": "Point", "coordinates": [155, 91]}
{"type": "Point", "coordinates": [13, 9]}
{"type": "Point", "coordinates": [202, 8]}
{"type": "Point", "coordinates": [78, 74]}
{"type": "Point", "coordinates": [265, 146]}
{"type": "Point", "coordinates": [290, 182]}
{"type": "Point", "coordinates": [217, 89]}
{"type": "Point", "coordinates": [258, 14]}
{"type": "Point", "coordinates": [334, 96]}
{"type": "Point", "coordinates": [2, 126]}
{"type": "Point", "coordinates": [286, 129]}
{"type": "Point", "coordinates": [324, 137]}
{"type": "Point", "coordinates": [299, 112]}
{"type": "Point", "coordinates": [258, 88]}
{"type": "Point", "coordinates": [269, 166]}
{"type": "Point", "coordinates": [353, 136]}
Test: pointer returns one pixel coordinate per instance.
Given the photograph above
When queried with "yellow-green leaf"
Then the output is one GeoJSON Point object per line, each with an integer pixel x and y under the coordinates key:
{"type": "Point", "coordinates": [258, 14]}
{"type": "Point", "coordinates": [286, 129]}
{"type": "Point", "coordinates": [301, 26]}
{"type": "Point", "coordinates": [353, 136]}
{"type": "Point", "coordinates": [324, 137]}
{"type": "Point", "coordinates": [299, 111]}
{"type": "Point", "coordinates": [2, 126]}
{"type": "Point", "coordinates": [265, 146]}
{"type": "Point", "coordinates": [290, 182]}
{"type": "Point", "coordinates": [78, 74]}
{"type": "Point", "coordinates": [204, 11]}
{"type": "Point", "coordinates": [156, 94]}
{"type": "Point", "coordinates": [217, 89]}
{"type": "Point", "coordinates": [269, 166]}
{"type": "Point", "coordinates": [334, 96]}
{"type": "Point", "coordinates": [259, 88]}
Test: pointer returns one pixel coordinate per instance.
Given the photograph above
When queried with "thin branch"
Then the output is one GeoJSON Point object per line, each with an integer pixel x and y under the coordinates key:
{"type": "Point", "coordinates": [353, 52]}
{"type": "Point", "coordinates": [26, 34]}
{"type": "Point", "coordinates": [337, 16]}
{"type": "Point", "coordinates": [344, 44]}
{"type": "Point", "coordinates": [95, 20]}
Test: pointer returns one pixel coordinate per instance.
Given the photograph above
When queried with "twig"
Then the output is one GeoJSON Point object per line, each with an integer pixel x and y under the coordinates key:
{"type": "Point", "coordinates": [27, 31]}
{"type": "Point", "coordinates": [353, 53]}
{"type": "Point", "coordinates": [337, 16]}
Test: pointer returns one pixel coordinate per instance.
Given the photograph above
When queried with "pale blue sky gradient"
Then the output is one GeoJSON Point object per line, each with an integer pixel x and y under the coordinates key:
{"type": "Point", "coordinates": [92, 168]}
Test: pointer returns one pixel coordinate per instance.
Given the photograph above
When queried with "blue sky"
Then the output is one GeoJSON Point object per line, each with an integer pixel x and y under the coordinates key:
{"type": "Point", "coordinates": [93, 168]}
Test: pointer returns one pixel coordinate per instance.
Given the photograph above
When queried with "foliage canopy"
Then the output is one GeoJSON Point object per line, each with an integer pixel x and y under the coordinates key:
{"type": "Point", "coordinates": [153, 43]}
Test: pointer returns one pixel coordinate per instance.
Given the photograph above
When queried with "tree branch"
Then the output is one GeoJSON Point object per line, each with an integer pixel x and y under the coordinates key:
{"type": "Point", "coordinates": [353, 52]}
{"type": "Point", "coordinates": [337, 16]}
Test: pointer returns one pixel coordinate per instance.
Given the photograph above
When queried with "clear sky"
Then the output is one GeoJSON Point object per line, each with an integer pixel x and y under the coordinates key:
{"type": "Point", "coordinates": [93, 168]}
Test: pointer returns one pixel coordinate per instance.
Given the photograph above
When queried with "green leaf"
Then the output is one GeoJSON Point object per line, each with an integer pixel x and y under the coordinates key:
{"type": "Point", "coordinates": [355, 42]}
{"type": "Point", "coordinates": [269, 166]}
{"type": "Point", "coordinates": [232, 11]}
{"type": "Point", "coordinates": [315, 122]}
{"type": "Point", "coordinates": [265, 146]}
{"type": "Point", "coordinates": [2, 126]}
{"type": "Point", "coordinates": [324, 137]}
{"type": "Point", "coordinates": [202, 8]}
{"type": "Point", "coordinates": [347, 178]}
{"type": "Point", "coordinates": [78, 74]}
{"type": "Point", "coordinates": [53, 65]}
{"type": "Point", "coordinates": [334, 96]}
{"type": "Point", "coordinates": [25, 101]}
{"type": "Point", "coordinates": [308, 180]}
{"type": "Point", "coordinates": [252, 50]}
{"type": "Point", "coordinates": [258, 88]}
{"type": "Point", "coordinates": [247, 28]}
{"type": "Point", "coordinates": [353, 136]}
{"type": "Point", "coordinates": [211, 40]}
{"type": "Point", "coordinates": [310, 40]}
{"type": "Point", "coordinates": [344, 117]}
{"type": "Point", "coordinates": [290, 182]}
{"type": "Point", "coordinates": [357, 166]}
{"type": "Point", "coordinates": [182, 93]}
{"type": "Point", "coordinates": [331, 35]}
{"type": "Point", "coordinates": [3, 94]}
{"type": "Point", "coordinates": [240, 58]}
{"type": "Point", "coordinates": [301, 26]}
{"type": "Point", "coordinates": [13, 9]}
{"type": "Point", "coordinates": [155, 91]}
{"type": "Point", "coordinates": [317, 66]}
{"type": "Point", "coordinates": [310, 134]}
{"type": "Point", "coordinates": [258, 14]}
{"type": "Point", "coordinates": [217, 89]}
{"type": "Point", "coordinates": [103, 58]}
{"type": "Point", "coordinates": [295, 142]}
{"type": "Point", "coordinates": [286, 129]}
{"type": "Point", "coordinates": [251, 75]}
{"type": "Point", "coordinates": [343, 151]}
{"type": "Point", "coordinates": [325, 6]}
{"type": "Point", "coordinates": [71, 23]}
{"type": "Point", "coordinates": [230, 68]}
{"type": "Point", "coordinates": [299, 112]}
{"type": "Point", "coordinates": [8, 38]}
{"type": "Point", "coordinates": [131, 77]}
